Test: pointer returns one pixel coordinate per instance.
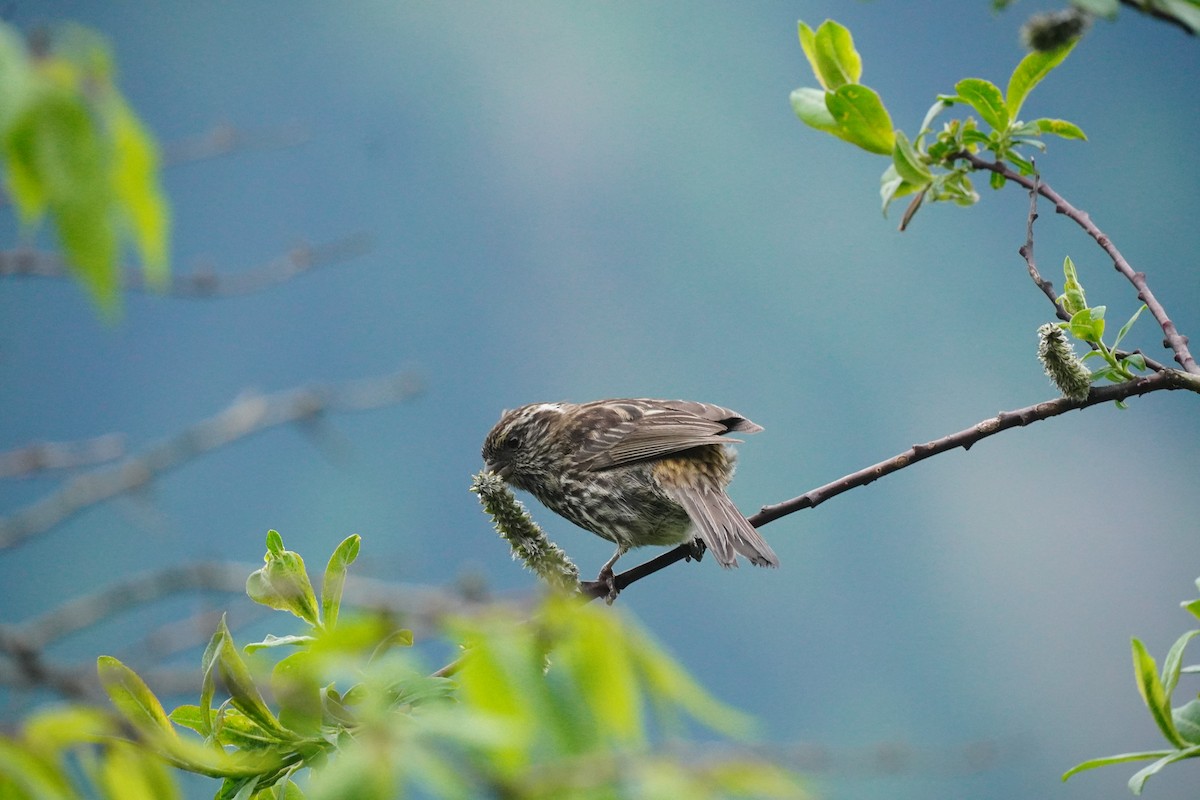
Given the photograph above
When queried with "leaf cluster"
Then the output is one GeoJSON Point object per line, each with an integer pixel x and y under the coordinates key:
{"type": "Point", "coordinates": [569, 703]}
{"type": "Point", "coordinates": [73, 150]}
{"type": "Point", "coordinates": [1179, 725]}
{"type": "Point", "coordinates": [927, 165]}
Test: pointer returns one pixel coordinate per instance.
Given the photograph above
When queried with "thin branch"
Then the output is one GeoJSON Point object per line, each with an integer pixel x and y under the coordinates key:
{"type": "Point", "coordinates": [1172, 339]}
{"type": "Point", "coordinates": [1157, 13]}
{"type": "Point", "coordinates": [1166, 380]}
{"type": "Point", "coordinates": [201, 282]}
{"type": "Point", "coordinates": [1047, 287]}
{"type": "Point", "coordinates": [37, 457]}
{"type": "Point", "coordinates": [248, 414]}
{"type": "Point", "coordinates": [23, 646]}
{"type": "Point", "coordinates": [224, 138]}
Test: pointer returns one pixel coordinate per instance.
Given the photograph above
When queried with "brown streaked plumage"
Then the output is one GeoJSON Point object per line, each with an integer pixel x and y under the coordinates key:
{"type": "Point", "coordinates": [634, 471]}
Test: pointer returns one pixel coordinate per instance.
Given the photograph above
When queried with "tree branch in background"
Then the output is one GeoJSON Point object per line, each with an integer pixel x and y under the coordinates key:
{"type": "Point", "coordinates": [24, 665]}
{"type": "Point", "coordinates": [249, 414]}
{"type": "Point", "coordinates": [1172, 339]}
{"type": "Point", "coordinates": [224, 138]}
{"type": "Point", "coordinates": [205, 282]}
{"type": "Point", "coordinates": [38, 457]}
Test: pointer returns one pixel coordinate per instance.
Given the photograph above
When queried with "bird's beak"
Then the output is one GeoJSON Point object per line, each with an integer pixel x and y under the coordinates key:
{"type": "Point", "coordinates": [492, 466]}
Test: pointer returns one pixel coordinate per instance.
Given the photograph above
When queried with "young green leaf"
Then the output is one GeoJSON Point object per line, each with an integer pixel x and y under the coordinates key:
{"type": "Point", "coordinates": [908, 163]}
{"type": "Point", "coordinates": [335, 578]}
{"type": "Point", "coordinates": [984, 97]}
{"type": "Point", "coordinates": [1187, 721]}
{"type": "Point", "coordinates": [1193, 606]}
{"type": "Point", "coordinates": [1151, 690]}
{"type": "Point", "coordinates": [809, 105]}
{"type": "Point", "coordinates": [1087, 325]}
{"type": "Point", "coordinates": [861, 118]}
{"type": "Point", "coordinates": [1060, 127]}
{"type": "Point", "coordinates": [283, 583]}
{"type": "Point", "coordinates": [138, 194]}
{"type": "Point", "coordinates": [1030, 72]}
{"type": "Point", "coordinates": [1106, 761]}
{"type": "Point", "coordinates": [1125, 328]}
{"type": "Point", "coordinates": [1072, 298]}
{"type": "Point", "coordinates": [1173, 662]}
{"type": "Point", "coordinates": [240, 684]}
{"type": "Point", "coordinates": [133, 697]}
{"type": "Point", "coordinates": [830, 52]}
{"type": "Point", "coordinates": [1141, 776]}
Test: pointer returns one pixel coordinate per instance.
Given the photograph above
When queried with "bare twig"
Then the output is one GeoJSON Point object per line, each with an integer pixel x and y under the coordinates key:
{"type": "Point", "coordinates": [1166, 380]}
{"type": "Point", "coordinates": [203, 282]}
{"type": "Point", "coordinates": [23, 646]}
{"type": "Point", "coordinates": [1047, 287]}
{"type": "Point", "coordinates": [248, 414]}
{"type": "Point", "coordinates": [1172, 338]}
{"type": "Point", "coordinates": [224, 138]}
{"type": "Point", "coordinates": [43, 456]}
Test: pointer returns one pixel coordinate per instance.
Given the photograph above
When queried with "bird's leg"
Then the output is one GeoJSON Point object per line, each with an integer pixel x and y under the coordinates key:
{"type": "Point", "coordinates": [697, 550]}
{"type": "Point", "coordinates": [606, 577]}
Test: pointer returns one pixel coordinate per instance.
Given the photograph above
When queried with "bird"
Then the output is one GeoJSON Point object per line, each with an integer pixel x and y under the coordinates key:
{"type": "Point", "coordinates": [635, 471]}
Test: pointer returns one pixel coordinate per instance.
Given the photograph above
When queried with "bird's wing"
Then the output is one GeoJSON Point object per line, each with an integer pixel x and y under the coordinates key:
{"type": "Point", "coordinates": [639, 430]}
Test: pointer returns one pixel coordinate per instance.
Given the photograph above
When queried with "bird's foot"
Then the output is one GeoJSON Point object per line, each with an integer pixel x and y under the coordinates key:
{"type": "Point", "coordinates": [697, 550]}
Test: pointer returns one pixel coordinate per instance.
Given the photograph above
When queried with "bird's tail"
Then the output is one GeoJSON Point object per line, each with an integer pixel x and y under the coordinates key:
{"type": "Point", "coordinates": [722, 527]}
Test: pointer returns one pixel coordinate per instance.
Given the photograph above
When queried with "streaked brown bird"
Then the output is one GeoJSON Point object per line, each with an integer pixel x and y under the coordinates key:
{"type": "Point", "coordinates": [636, 472]}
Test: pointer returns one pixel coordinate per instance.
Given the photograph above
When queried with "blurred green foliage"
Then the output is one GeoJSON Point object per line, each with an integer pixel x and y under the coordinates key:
{"type": "Point", "coordinates": [1180, 725]}
{"type": "Point", "coordinates": [75, 151]}
{"type": "Point", "coordinates": [569, 702]}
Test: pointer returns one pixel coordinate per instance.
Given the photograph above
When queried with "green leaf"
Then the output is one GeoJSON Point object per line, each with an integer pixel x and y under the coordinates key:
{"type": "Point", "coordinates": [135, 180]}
{"type": "Point", "coordinates": [861, 118]}
{"type": "Point", "coordinates": [335, 578]}
{"type": "Point", "coordinates": [1151, 690]}
{"type": "Point", "coordinates": [908, 163]}
{"type": "Point", "coordinates": [1106, 761]}
{"type": "Point", "coordinates": [30, 776]}
{"type": "Point", "coordinates": [809, 105]}
{"type": "Point", "coordinates": [1139, 779]}
{"type": "Point", "coordinates": [1125, 328]}
{"type": "Point", "coordinates": [892, 186]}
{"type": "Point", "coordinates": [133, 697]}
{"type": "Point", "coordinates": [1193, 606]}
{"type": "Point", "coordinates": [1185, 11]}
{"type": "Point", "coordinates": [938, 107]}
{"type": "Point", "coordinates": [997, 180]}
{"type": "Point", "coordinates": [1030, 72]}
{"type": "Point", "coordinates": [1088, 325]}
{"type": "Point", "coordinates": [1187, 721]}
{"type": "Point", "coordinates": [1060, 127]}
{"type": "Point", "coordinates": [283, 583]}
{"type": "Point", "coordinates": [984, 97]}
{"type": "Point", "coordinates": [1072, 298]}
{"type": "Point", "coordinates": [1101, 8]}
{"type": "Point", "coordinates": [830, 52]}
{"type": "Point", "coordinates": [1173, 662]}
{"type": "Point", "coordinates": [243, 692]}
{"type": "Point", "coordinates": [278, 641]}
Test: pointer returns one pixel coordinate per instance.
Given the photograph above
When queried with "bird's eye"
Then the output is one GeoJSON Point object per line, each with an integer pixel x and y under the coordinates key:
{"type": "Point", "coordinates": [512, 442]}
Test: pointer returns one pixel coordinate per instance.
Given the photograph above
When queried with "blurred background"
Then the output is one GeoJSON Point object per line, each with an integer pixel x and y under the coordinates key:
{"type": "Point", "coordinates": [584, 200]}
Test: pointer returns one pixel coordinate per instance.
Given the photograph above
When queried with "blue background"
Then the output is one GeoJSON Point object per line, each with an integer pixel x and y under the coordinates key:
{"type": "Point", "coordinates": [580, 200]}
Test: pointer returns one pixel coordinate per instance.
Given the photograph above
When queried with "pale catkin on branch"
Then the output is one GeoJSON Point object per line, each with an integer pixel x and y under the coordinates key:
{"type": "Point", "coordinates": [529, 543]}
{"type": "Point", "coordinates": [1063, 367]}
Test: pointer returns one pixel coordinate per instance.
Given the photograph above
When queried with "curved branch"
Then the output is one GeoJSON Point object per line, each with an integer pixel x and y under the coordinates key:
{"type": "Point", "coordinates": [1166, 380]}
{"type": "Point", "coordinates": [205, 282]}
{"type": "Point", "coordinates": [1172, 338]}
{"type": "Point", "coordinates": [246, 415]}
